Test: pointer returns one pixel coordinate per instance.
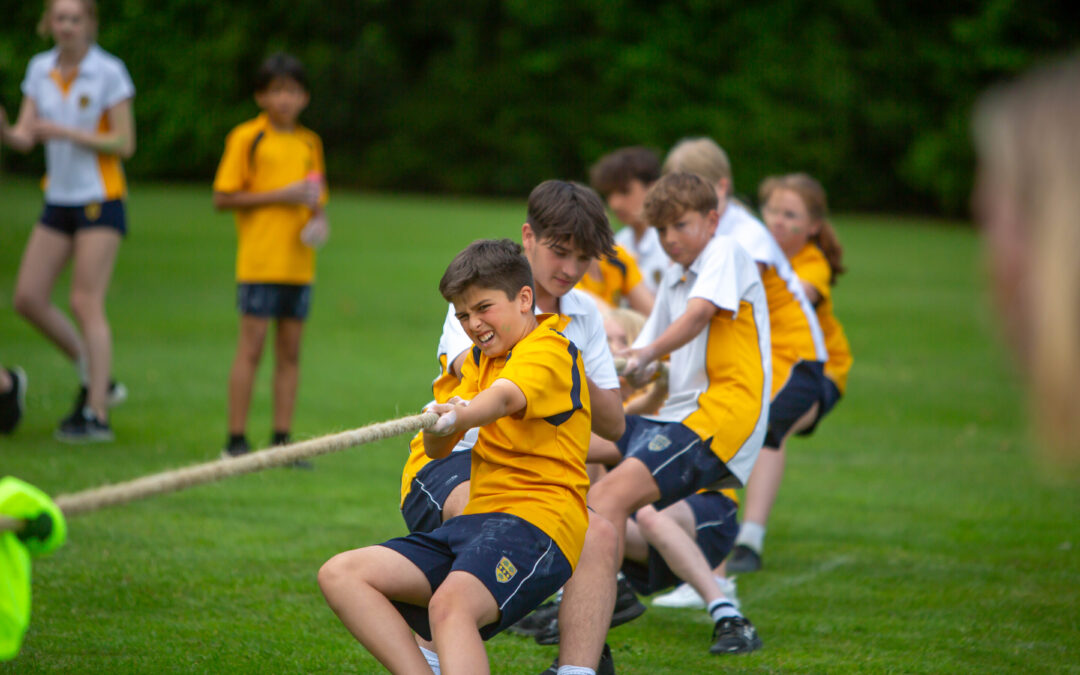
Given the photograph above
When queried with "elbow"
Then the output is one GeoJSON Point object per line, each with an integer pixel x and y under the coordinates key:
{"type": "Point", "coordinates": [610, 426]}
{"type": "Point", "coordinates": [220, 201]}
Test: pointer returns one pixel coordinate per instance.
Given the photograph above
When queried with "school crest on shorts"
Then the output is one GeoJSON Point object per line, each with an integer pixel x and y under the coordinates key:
{"type": "Point", "coordinates": [92, 211]}
{"type": "Point", "coordinates": [659, 442]}
{"type": "Point", "coordinates": [505, 570]}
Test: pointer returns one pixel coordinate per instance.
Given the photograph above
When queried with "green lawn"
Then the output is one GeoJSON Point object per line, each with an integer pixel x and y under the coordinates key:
{"type": "Point", "coordinates": [913, 533]}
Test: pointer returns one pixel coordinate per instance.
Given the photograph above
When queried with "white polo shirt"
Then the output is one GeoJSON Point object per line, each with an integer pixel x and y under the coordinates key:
{"type": "Point", "coordinates": [647, 251]}
{"type": "Point", "coordinates": [76, 175]}
{"type": "Point", "coordinates": [718, 383]}
{"type": "Point", "coordinates": [755, 238]}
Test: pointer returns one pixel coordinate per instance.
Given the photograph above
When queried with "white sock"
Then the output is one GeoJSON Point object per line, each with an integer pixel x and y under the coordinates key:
{"type": "Point", "coordinates": [752, 535]}
{"type": "Point", "coordinates": [718, 609]}
{"type": "Point", "coordinates": [432, 660]}
{"type": "Point", "coordinates": [84, 374]}
{"type": "Point", "coordinates": [575, 670]}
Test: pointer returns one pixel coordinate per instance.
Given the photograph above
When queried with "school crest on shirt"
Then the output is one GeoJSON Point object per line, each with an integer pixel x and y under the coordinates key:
{"type": "Point", "coordinates": [84, 102]}
{"type": "Point", "coordinates": [659, 442]}
{"type": "Point", "coordinates": [92, 211]}
{"type": "Point", "coordinates": [505, 570]}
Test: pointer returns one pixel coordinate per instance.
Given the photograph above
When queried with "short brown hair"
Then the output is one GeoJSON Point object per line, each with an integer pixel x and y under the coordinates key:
{"type": "Point", "coordinates": [562, 210]}
{"type": "Point", "coordinates": [615, 170]}
{"type": "Point", "coordinates": [487, 263]}
{"type": "Point", "coordinates": [675, 194]}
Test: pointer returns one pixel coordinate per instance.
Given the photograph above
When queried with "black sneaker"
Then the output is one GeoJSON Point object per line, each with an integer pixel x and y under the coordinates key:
{"type": "Point", "coordinates": [13, 401]}
{"type": "Point", "coordinates": [86, 427]}
{"type": "Point", "coordinates": [235, 448]}
{"type": "Point", "coordinates": [283, 439]}
{"type": "Point", "coordinates": [734, 635]}
{"type": "Point", "coordinates": [536, 620]}
{"type": "Point", "coordinates": [118, 393]}
{"type": "Point", "coordinates": [743, 559]}
{"type": "Point", "coordinates": [606, 667]}
{"type": "Point", "coordinates": [627, 605]}
{"type": "Point", "coordinates": [627, 608]}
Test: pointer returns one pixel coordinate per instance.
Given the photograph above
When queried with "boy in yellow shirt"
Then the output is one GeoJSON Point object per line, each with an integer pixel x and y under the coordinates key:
{"type": "Point", "coordinates": [272, 175]}
{"type": "Point", "coordinates": [521, 533]}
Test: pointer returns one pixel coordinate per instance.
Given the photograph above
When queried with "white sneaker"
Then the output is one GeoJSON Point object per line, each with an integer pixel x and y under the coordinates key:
{"type": "Point", "coordinates": [684, 596]}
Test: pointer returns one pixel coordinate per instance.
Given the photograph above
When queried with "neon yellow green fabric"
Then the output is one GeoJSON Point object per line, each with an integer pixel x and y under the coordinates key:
{"type": "Point", "coordinates": [14, 594]}
{"type": "Point", "coordinates": [19, 499]}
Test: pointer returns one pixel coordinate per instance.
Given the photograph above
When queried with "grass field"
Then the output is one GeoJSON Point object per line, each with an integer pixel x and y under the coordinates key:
{"type": "Point", "coordinates": [913, 533]}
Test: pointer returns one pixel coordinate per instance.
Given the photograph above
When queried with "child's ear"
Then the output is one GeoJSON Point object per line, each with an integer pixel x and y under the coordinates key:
{"type": "Point", "coordinates": [525, 300]}
{"type": "Point", "coordinates": [528, 237]}
{"type": "Point", "coordinates": [712, 219]}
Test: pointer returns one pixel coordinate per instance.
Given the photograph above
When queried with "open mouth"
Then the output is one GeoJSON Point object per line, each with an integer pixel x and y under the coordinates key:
{"type": "Point", "coordinates": [486, 338]}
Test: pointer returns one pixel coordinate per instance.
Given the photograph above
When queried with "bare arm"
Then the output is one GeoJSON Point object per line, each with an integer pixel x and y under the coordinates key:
{"type": "Point", "coordinates": [502, 398]}
{"type": "Point", "coordinates": [304, 192]}
{"type": "Point", "coordinates": [811, 293]}
{"type": "Point", "coordinates": [20, 135]}
{"type": "Point", "coordinates": [608, 419]}
{"type": "Point", "coordinates": [641, 299]}
{"type": "Point", "coordinates": [119, 140]}
{"type": "Point", "coordinates": [681, 331]}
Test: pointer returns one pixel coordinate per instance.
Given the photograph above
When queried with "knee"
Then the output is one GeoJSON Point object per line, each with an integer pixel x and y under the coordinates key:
{"type": "Point", "coordinates": [334, 573]}
{"type": "Point", "coordinates": [601, 539]}
{"type": "Point", "coordinates": [85, 306]}
{"type": "Point", "coordinates": [26, 304]}
{"type": "Point", "coordinates": [443, 608]}
{"type": "Point", "coordinates": [648, 521]}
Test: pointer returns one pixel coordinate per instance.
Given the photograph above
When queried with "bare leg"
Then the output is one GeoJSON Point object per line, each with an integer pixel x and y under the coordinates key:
{"type": "Point", "coordinates": [286, 371]}
{"type": "Point", "coordinates": [456, 501]}
{"type": "Point", "coordinates": [589, 597]}
{"type": "Point", "coordinates": [458, 609]}
{"type": "Point", "coordinates": [358, 586]}
{"type": "Point", "coordinates": [242, 377]}
{"type": "Point", "coordinates": [667, 532]}
{"type": "Point", "coordinates": [584, 620]}
{"type": "Point", "coordinates": [95, 257]}
{"type": "Point", "coordinates": [44, 258]}
{"type": "Point", "coordinates": [768, 472]}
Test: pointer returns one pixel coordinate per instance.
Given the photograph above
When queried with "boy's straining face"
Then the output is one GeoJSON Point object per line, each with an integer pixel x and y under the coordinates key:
{"type": "Point", "coordinates": [788, 220]}
{"type": "Point", "coordinates": [557, 266]}
{"type": "Point", "coordinates": [685, 238]}
{"type": "Point", "coordinates": [627, 202]}
{"type": "Point", "coordinates": [283, 100]}
{"type": "Point", "coordinates": [493, 321]}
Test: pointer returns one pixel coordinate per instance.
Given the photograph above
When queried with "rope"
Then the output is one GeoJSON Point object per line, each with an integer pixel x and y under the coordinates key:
{"type": "Point", "coordinates": [208, 472]}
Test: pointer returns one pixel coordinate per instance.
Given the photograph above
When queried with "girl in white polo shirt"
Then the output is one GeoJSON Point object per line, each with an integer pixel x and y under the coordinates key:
{"type": "Point", "coordinates": [77, 104]}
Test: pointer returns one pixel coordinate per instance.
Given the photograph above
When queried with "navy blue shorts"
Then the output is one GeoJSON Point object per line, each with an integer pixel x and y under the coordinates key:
{"type": "Point", "coordinates": [423, 506]}
{"type": "Point", "coordinates": [830, 396]}
{"type": "Point", "coordinates": [680, 462]}
{"type": "Point", "coordinates": [714, 518]}
{"type": "Point", "coordinates": [519, 564]}
{"type": "Point", "coordinates": [281, 301]}
{"type": "Point", "coordinates": [69, 219]}
{"type": "Point", "coordinates": [802, 390]}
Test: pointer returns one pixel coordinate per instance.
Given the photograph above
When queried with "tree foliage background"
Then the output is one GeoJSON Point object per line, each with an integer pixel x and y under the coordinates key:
{"type": "Point", "coordinates": [492, 96]}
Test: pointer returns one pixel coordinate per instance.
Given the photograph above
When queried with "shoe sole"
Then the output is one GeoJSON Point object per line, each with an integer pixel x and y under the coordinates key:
{"type": "Point", "coordinates": [628, 614]}
{"type": "Point", "coordinates": [82, 439]}
{"type": "Point", "coordinates": [754, 646]}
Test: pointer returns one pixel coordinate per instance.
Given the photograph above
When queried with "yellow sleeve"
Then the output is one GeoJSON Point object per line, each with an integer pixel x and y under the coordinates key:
{"type": "Point", "coordinates": [546, 370]}
{"type": "Point", "coordinates": [469, 386]}
{"type": "Point", "coordinates": [232, 172]}
{"type": "Point", "coordinates": [319, 162]}
{"type": "Point", "coordinates": [632, 277]}
{"type": "Point", "coordinates": [811, 266]}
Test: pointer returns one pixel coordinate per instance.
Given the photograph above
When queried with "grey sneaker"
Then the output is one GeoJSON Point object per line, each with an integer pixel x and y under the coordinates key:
{"type": "Point", "coordinates": [743, 559]}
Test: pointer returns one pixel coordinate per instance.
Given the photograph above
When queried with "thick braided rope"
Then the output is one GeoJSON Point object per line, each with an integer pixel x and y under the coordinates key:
{"type": "Point", "coordinates": [208, 472]}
